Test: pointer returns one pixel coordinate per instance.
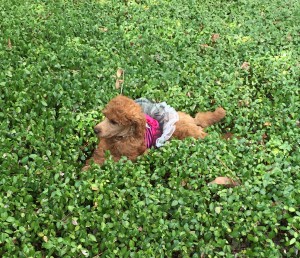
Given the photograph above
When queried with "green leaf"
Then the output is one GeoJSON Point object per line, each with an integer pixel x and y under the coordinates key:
{"type": "Point", "coordinates": [48, 153]}
{"type": "Point", "coordinates": [131, 244]}
{"type": "Point", "coordinates": [94, 187]}
{"type": "Point", "coordinates": [174, 203]}
{"type": "Point", "coordinates": [3, 237]}
{"type": "Point", "coordinates": [10, 219]}
{"type": "Point", "coordinates": [292, 241]}
{"type": "Point", "coordinates": [92, 237]}
{"type": "Point", "coordinates": [48, 245]}
{"type": "Point", "coordinates": [218, 210]}
{"type": "Point", "coordinates": [24, 160]}
{"type": "Point", "coordinates": [71, 208]}
{"type": "Point", "coordinates": [103, 225]}
{"type": "Point", "coordinates": [44, 103]}
{"type": "Point", "coordinates": [292, 209]}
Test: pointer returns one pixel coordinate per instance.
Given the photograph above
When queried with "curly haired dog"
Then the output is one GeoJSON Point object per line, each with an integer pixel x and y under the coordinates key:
{"type": "Point", "coordinates": [123, 130]}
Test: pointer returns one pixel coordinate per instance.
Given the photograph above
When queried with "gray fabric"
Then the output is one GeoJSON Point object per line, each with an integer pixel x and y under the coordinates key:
{"type": "Point", "coordinates": [164, 114]}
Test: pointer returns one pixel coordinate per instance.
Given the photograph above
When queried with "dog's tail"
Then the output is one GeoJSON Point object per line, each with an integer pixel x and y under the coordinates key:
{"type": "Point", "coordinates": [205, 119]}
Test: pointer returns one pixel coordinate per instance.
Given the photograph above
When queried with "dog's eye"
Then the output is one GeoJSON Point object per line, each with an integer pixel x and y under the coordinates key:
{"type": "Point", "coordinates": [113, 122]}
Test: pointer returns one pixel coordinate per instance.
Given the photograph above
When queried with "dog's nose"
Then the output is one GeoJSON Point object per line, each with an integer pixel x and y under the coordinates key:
{"type": "Point", "coordinates": [96, 130]}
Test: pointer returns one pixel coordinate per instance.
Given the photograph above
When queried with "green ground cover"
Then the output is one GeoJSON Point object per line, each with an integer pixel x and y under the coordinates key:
{"type": "Point", "coordinates": [58, 61]}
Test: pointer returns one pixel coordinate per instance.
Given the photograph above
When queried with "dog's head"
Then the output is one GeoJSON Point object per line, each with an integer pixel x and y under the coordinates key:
{"type": "Point", "coordinates": [123, 117]}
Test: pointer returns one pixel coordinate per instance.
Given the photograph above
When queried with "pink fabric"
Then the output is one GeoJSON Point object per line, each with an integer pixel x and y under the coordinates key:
{"type": "Point", "coordinates": [152, 131]}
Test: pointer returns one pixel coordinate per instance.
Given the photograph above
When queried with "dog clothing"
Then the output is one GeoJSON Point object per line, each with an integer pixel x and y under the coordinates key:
{"type": "Point", "coordinates": [152, 131]}
{"type": "Point", "coordinates": [165, 115]}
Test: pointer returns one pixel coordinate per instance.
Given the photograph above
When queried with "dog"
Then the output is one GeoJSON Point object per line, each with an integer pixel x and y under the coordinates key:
{"type": "Point", "coordinates": [125, 127]}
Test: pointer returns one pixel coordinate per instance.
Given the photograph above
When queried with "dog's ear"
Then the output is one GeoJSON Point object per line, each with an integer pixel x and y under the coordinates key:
{"type": "Point", "coordinates": [126, 112]}
{"type": "Point", "coordinates": [139, 123]}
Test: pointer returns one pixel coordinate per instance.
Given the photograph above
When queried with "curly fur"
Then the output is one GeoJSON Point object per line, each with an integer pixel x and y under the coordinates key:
{"type": "Point", "coordinates": [122, 131]}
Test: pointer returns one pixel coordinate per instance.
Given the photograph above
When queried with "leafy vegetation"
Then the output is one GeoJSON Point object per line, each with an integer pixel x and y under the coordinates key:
{"type": "Point", "coordinates": [57, 71]}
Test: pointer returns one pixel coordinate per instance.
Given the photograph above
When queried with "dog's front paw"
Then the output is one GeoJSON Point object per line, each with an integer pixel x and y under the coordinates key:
{"type": "Point", "coordinates": [85, 168]}
{"type": "Point", "coordinates": [221, 112]}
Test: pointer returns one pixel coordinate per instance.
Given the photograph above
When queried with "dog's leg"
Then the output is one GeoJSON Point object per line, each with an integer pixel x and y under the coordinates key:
{"type": "Point", "coordinates": [96, 159]}
{"type": "Point", "coordinates": [205, 119]}
{"type": "Point", "coordinates": [98, 156]}
{"type": "Point", "coordinates": [184, 130]}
